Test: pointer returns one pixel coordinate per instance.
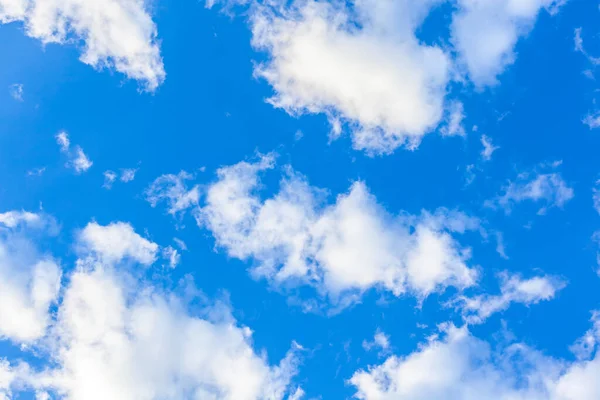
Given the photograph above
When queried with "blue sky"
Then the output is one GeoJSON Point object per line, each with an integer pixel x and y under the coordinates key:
{"type": "Point", "coordinates": [239, 200]}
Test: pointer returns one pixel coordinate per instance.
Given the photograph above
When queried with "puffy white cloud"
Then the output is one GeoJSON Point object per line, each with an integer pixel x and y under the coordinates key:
{"type": "Point", "coordinates": [117, 34]}
{"type": "Point", "coordinates": [29, 281]}
{"type": "Point", "coordinates": [547, 188]}
{"type": "Point", "coordinates": [172, 255]}
{"type": "Point", "coordinates": [592, 120]}
{"type": "Point", "coordinates": [117, 340]}
{"type": "Point", "coordinates": [172, 190]}
{"type": "Point", "coordinates": [462, 367]}
{"type": "Point", "coordinates": [342, 249]}
{"type": "Point", "coordinates": [364, 67]}
{"type": "Point", "coordinates": [513, 289]}
{"type": "Point", "coordinates": [488, 148]}
{"type": "Point", "coordinates": [16, 91]}
{"type": "Point", "coordinates": [127, 175]}
{"type": "Point", "coordinates": [78, 160]}
{"type": "Point", "coordinates": [115, 242]}
{"type": "Point", "coordinates": [484, 33]}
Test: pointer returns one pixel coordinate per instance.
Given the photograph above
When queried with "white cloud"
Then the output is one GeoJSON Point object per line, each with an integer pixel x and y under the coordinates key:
{"type": "Point", "coordinates": [365, 68]}
{"type": "Point", "coordinates": [513, 289]}
{"type": "Point", "coordinates": [454, 120]}
{"type": "Point", "coordinates": [342, 249]}
{"type": "Point", "coordinates": [78, 160]}
{"type": "Point", "coordinates": [484, 33]}
{"type": "Point", "coordinates": [112, 340]}
{"type": "Point", "coordinates": [16, 91]}
{"type": "Point", "coordinates": [592, 120]}
{"type": "Point", "coordinates": [171, 255]}
{"type": "Point", "coordinates": [500, 248]}
{"type": "Point", "coordinates": [11, 219]}
{"type": "Point", "coordinates": [117, 34]}
{"type": "Point", "coordinates": [579, 48]}
{"type": "Point", "coordinates": [109, 179]}
{"type": "Point", "coordinates": [380, 341]}
{"type": "Point", "coordinates": [172, 190]}
{"type": "Point", "coordinates": [547, 188]}
{"type": "Point", "coordinates": [596, 196]}
{"type": "Point", "coordinates": [29, 281]}
{"type": "Point", "coordinates": [462, 367]}
{"type": "Point", "coordinates": [62, 138]}
{"type": "Point", "coordinates": [488, 148]}
{"type": "Point", "coordinates": [128, 174]}
{"type": "Point", "coordinates": [117, 241]}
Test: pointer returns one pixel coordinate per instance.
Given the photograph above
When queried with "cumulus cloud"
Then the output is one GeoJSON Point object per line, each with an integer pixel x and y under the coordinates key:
{"type": "Point", "coordinates": [380, 341]}
{"type": "Point", "coordinates": [115, 336]}
{"type": "Point", "coordinates": [117, 34]}
{"type": "Point", "coordinates": [128, 174]}
{"type": "Point", "coordinates": [454, 120]}
{"type": "Point", "coordinates": [592, 120]}
{"type": "Point", "coordinates": [344, 248]}
{"type": "Point", "coordinates": [78, 160]}
{"type": "Point", "coordinates": [513, 289]}
{"type": "Point", "coordinates": [462, 367]}
{"type": "Point", "coordinates": [548, 188]}
{"type": "Point", "coordinates": [29, 280]}
{"type": "Point", "coordinates": [172, 255]}
{"type": "Point", "coordinates": [115, 242]}
{"type": "Point", "coordinates": [364, 67]}
{"type": "Point", "coordinates": [109, 179]}
{"type": "Point", "coordinates": [488, 148]}
{"type": "Point", "coordinates": [484, 33]}
{"type": "Point", "coordinates": [113, 340]}
{"type": "Point", "coordinates": [172, 190]}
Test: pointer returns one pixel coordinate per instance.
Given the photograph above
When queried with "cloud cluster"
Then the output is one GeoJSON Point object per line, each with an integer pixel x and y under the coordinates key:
{"type": "Point", "coordinates": [117, 34]}
{"type": "Point", "coordinates": [114, 336]}
{"type": "Point", "coordinates": [462, 367]}
{"type": "Point", "coordinates": [362, 64]}
{"type": "Point", "coordinates": [342, 249]}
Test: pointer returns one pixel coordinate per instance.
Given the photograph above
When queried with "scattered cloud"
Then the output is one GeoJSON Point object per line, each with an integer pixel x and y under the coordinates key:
{"type": "Point", "coordinates": [488, 148]}
{"type": "Point", "coordinates": [344, 248]}
{"type": "Point", "coordinates": [485, 33]}
{"type": "Point", "coordinates": [513, 289]}
{"type": "Point", "coordinates": [128, 174]}
{"type": "Point", "coordinates": [547, 188]}
{"type": "Point", "coordinates": [36, 171]}
{"type": "Point", "coordinates": [118, 34]}
{"type": "Point", "coordinates": [454, 120]}
{"type": "Point", "coordinates": [78, 160]}
{"type": "Point", "coordinates": [592, 120]}
{"type": "Point", "coordinates": [380, 341]}
{"type": "Point", "coordinates": [172, 190]}
{"type": "Point", "coordinates": [579, 48]}
{"type": "Point", "coordinates": [109, 179]}
{"type": "Point", "coordinates": [172, 255]}
{"type": "Point", "coordinates": [16, 91]}
{"type": "Point", "coordinates": [461, 366]}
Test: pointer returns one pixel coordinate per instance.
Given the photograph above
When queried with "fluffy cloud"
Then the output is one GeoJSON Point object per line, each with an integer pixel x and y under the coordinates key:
{"type": "Point", "coordinates": [484, 33]}
{"type": "Point", "coordinates": [29, 281]}
{"type": "Point", "coordinates": [113, 340]}
{"type": "Point", "coordinates": [78, 160]}
{"type": "Point", "coordinates": [117, 241]}
{"type": "Point", "coordinates": [343, 249]}
{"type": "Point", "coordinates": [127, 175]}
{"type": "Point", "coordinates": [114, 336]}
{"type": "Point", "coordinates": [118, 34]}
{"type": "Point", "coordinates": [379, 78]}
{"type": "Point", "coordinates": [513, 289]}
{"type": "Point", "coordinates": [462, 367]}
{"type": "Point", "coordinates": [547, 188]}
